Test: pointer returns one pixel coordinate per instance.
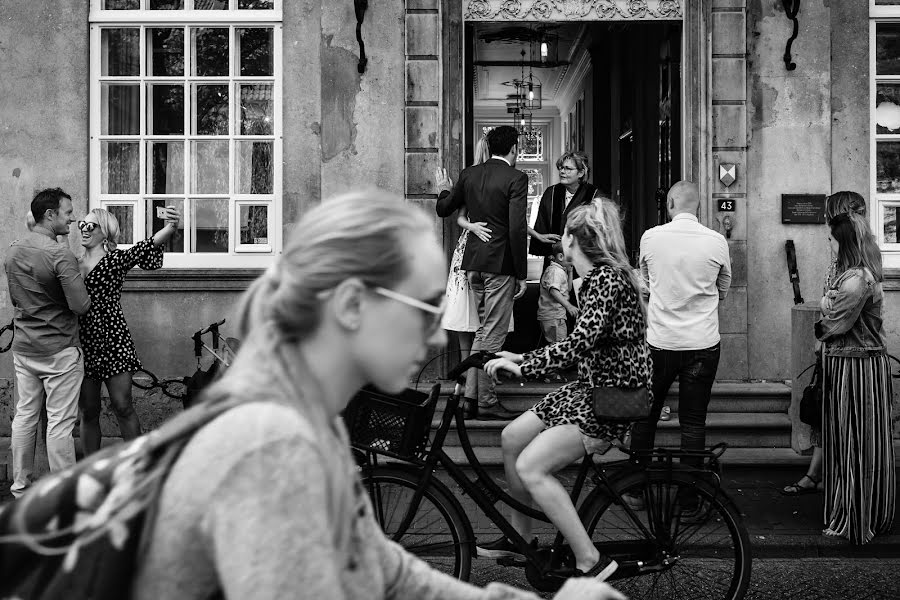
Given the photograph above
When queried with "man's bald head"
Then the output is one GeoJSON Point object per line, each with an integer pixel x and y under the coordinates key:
{"type": "Point", "coordinates": [683, 197]}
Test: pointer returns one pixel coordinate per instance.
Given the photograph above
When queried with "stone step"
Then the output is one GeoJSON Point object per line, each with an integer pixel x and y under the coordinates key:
{"type": "Point", "coordinates": [739, 430]}
{"type": "Point", "coordinates": [726, 397]}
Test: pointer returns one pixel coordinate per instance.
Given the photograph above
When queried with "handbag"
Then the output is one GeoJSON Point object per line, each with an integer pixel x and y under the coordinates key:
{"type": "Point", "coordinates": [812, 399]}
{"type": "Point", "coordinates": [620, 404]}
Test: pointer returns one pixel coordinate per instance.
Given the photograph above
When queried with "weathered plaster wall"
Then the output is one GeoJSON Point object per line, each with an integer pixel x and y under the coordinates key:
{"type": "Point", "coordinates": [789, 114]}
{"type": "Point", "coordinates": [362, 114]}
{"type": "Point", "coordinates": [43, 125]}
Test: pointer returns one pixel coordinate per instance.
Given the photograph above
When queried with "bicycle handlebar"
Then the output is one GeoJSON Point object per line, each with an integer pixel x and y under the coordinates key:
{"type": "Point", "coordinates": [476, 360]}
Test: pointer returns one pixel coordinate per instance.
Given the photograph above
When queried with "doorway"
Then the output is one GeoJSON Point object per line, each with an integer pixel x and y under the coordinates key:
{"type": "Point", "coordinates": [610, 89]}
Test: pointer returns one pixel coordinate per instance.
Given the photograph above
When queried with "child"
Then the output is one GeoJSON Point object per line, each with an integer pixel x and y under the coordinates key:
{"type": "Point", "coordinates": [553, 303]}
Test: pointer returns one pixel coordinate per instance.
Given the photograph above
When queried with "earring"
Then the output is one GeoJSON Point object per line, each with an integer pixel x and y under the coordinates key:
{"type": "Point", "coordinates": [105, 246]}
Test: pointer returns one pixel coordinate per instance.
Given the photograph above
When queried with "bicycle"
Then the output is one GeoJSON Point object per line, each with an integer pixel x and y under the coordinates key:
{"type": "Point", "coordinates": [689, 541]}
{"type": "Point", "coordinates": [223, 352]}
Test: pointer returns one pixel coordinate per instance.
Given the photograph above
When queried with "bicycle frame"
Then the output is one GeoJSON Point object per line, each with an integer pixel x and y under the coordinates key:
{"type": "Point", "coordinates": [485, 492]}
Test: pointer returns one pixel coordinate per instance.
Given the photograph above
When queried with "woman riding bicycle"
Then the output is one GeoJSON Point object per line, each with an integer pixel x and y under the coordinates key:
{"type": "Point", "coordinates": [608, 346]}
{"type": "Point", "coordinates": [265, 502]}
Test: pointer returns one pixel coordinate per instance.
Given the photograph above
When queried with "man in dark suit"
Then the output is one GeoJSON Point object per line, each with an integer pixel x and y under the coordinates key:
{"type": "Point", "coordinates": [494, 193]}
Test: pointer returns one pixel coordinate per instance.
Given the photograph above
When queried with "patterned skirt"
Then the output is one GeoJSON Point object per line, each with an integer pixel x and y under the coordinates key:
{"type": "Point", "coordinates": [858, 449]}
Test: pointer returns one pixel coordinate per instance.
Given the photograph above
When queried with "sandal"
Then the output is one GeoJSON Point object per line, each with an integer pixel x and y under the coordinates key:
{"type": "Point", "coordinates": [795, 489]}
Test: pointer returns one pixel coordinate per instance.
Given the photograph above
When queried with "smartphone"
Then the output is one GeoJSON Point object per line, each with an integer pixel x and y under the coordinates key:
{"type": "Point", "coordinates": [160, 212]}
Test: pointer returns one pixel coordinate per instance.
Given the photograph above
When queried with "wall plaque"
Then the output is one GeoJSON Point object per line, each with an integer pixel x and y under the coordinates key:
{"type": "Point", "coordinates": [804, 209]}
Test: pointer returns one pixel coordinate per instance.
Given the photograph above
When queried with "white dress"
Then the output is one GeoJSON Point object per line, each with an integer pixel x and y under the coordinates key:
{"type": "Point", "coordinates": [461, 313]}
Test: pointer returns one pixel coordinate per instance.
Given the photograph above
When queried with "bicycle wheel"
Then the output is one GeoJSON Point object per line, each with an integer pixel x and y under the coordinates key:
{"type": "Point", "coordinates": [697, 549]}
{"type": "Point", "coordinates": [438, 534]}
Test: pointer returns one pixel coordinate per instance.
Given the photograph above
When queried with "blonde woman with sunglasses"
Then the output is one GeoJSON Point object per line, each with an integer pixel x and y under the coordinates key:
{"type": "Point", "coordinates": [109, 355]}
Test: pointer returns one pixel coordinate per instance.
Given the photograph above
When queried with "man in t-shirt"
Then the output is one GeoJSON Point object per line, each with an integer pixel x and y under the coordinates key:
{"type": "Point", "coordinates": [48, 294]}
{"type": "Point", "coordinates": [687, 270]}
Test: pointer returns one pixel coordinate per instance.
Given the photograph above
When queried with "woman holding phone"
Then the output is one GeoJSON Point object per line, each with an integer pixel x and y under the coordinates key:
{"type": "Point", "coordinates": [109, 355]}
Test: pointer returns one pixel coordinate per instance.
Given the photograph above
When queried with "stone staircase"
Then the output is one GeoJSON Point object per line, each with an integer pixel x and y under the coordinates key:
{"type": "Point", "coordinates": [751, 417]}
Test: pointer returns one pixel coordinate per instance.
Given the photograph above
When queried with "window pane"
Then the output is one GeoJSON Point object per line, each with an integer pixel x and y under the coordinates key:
{"type": "Point", "coordinates": [887, 48]}
{"type": "Point", "coordinates": [210, 4]}
{"type": "Point", "coordinates": [210, 110]}
{"type": "Point", "coordinates": [887, 107]}
{"type": "Point", "coordinates": [256, 4]}
{"type": "Point", "coordinates": [166, 111]}
{"type": "Point", "coordinates": [166, 169]}
{"type": "Point", "coordinates": [888, 167]}
{"type": "Point", "coordinates": [255, 51]}
{"type": "Point", "coordinates": [166, 4]}
{"type": "Point", "coordinates": [166, 51]}
{"type": "Point", "coordinates": [257, 107]}
{"type": "Point", "coordinates": [124, 214]}
{"type": "Point", "coordinates": [255, 168]}
{"type": "Point", "coordinates": [176, 242]}
{"type": "Point", "coordinates": [254, 224]}
{"type": "Point", "coordinates": [209, 164]}
{"type": "Point", "coordinates": [119, 167]}
{"type": "Point", "coordinates": [120, 51]}
{"type": "Point", "coordinates": [120, 109]}
{"type": "Point", "coordinates": [210, 51]}
{"type": "Point", "coordinates": [210, 225]}
{"type": "Point", "coordinates": [121, 4]}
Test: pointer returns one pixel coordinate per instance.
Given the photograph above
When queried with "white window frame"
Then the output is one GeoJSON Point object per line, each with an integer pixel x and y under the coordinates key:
{"type": "Point", "coordinates": [890, 252]}
{"type": "Point", "coordinates": [238, 255]}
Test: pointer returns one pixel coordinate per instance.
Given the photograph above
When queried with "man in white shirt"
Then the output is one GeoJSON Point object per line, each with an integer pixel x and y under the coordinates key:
{"type": "Point", "coordinates": [687, 270]}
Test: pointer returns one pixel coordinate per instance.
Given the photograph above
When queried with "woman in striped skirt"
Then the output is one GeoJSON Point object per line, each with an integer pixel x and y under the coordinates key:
{"type": "Point", "coordinates": [856, 421]}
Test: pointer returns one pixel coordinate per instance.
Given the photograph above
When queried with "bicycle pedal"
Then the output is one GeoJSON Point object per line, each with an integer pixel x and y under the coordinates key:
{"type": "Point", "coordinates": [509, 561]}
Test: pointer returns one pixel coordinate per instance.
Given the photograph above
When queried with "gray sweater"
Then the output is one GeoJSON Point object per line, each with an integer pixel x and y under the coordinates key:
{"type": "Point", "coordinates": [263, 504]}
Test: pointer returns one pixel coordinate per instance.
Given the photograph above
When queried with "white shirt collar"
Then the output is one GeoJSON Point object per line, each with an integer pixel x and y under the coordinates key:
{"type": "Point", "coordinates": [681, 216]}
{"type": "Point", "coordinates": [501, 158]}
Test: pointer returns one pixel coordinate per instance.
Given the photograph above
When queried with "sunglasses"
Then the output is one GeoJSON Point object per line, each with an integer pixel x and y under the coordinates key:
{"type": "Point", "coordinates": [87, 226]}
{"type": "Point", "coordinates": [432, 313]}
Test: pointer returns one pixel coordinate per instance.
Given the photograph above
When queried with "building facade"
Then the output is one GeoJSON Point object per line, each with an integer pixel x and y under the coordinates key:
{"type": "Point", "coordinates": [244, 113]}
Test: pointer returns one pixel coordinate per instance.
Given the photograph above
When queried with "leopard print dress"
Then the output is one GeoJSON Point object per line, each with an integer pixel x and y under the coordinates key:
{"type": "Point", "coordinates": [608, 345]}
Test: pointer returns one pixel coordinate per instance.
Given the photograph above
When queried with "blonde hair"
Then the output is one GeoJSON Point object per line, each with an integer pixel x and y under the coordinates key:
{"type": "Point", "coordinates": [360, 234]}
{"type": "Point", "coordinates": [597, 227]}
{"type": "Point", "coordinates": [109, 226]}
{"type": "Point", "coordinates": [482, 152]}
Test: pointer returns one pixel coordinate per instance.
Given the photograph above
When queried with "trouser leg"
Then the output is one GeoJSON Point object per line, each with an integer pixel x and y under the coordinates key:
{"type": "Point", "coordinates": [30, 400]}
{"type": "Point", "coordinates": [63, 385]}
{"type": "Point", "coordinates": [698, 371]}
{"type": "Point", "coordinates": [495, 295]}
{"type": "Point", "coordinates": [665, 369]}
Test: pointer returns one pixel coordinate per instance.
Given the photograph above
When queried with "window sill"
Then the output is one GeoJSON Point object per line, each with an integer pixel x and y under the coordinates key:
{"type": "Point", "coordinates": [190, 280]}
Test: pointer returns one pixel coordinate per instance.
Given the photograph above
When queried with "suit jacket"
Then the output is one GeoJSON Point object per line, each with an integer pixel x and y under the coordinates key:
{"type": "Point", "coordinates": [494, 193]}
{"type": "Point", "coordinates": [552, 213]}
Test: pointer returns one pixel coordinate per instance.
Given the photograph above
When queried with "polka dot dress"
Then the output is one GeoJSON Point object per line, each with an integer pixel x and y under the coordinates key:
{"type": "Point", "coordinates": [105, 339]}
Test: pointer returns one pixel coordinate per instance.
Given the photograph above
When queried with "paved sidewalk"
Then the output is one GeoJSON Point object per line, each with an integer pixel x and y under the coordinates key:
{"type": "Point", "coordinates": [791, 527]}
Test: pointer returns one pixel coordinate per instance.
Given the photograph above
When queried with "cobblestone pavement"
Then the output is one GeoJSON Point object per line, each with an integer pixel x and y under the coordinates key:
{"type": "Point", "coordinates": [776, 579]}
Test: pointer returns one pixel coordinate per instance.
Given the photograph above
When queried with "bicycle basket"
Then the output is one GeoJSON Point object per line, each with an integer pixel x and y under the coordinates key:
{"type": "Point", "coordinates": [393, 425]}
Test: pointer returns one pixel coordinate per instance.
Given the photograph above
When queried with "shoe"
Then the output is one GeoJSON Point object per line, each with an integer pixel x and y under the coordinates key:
{"type": "Point", "coordinates": [601, 571]}
{"type": "Point", "coordinates": [795, 489]}
{"type": "Point", "coordinates": [634, 502]}
{"type": "Point", "coordinates": [499, 548]}
{"type": "Point", "coordinates": [495, 412]}
{"type": "Point", "coordinates": [666, 414]}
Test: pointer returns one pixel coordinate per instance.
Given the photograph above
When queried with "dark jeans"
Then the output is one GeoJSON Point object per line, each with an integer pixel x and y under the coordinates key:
{"type": "Point", "coordinates": [696, 370]}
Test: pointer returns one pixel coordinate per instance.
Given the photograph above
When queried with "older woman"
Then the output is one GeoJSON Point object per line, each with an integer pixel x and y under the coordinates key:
{"type": "Point", "coordinates": [265, 501]}
{"type": "Point", "coordinates": [558, 201]}
{"type": "Point", "coordinates": [609, 348]}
